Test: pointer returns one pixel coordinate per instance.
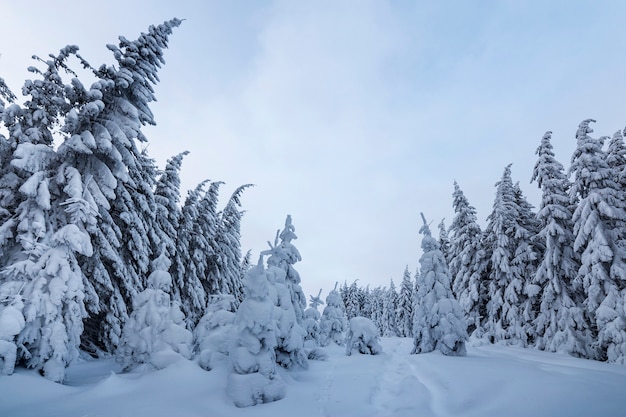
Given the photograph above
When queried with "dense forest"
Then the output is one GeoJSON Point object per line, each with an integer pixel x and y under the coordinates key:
{"type": "Point", "coordinates": [100, 253]}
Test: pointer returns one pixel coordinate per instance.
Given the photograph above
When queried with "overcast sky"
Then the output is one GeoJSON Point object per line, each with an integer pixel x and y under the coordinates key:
{"type": "Point", "coordinates": [353, 116]}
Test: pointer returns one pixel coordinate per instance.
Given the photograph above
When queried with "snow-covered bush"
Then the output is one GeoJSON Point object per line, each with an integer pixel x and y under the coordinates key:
{"type": "Point", "coordinates": [362, 337]}
{"type": "Point", "coordinates": [213, 334]}
{"type": "Point", "coordinates": [333, 322]}
{"type": "Point", "coordinates": [254, 378]}
{"type": "Point", "coordinates": [155, 333]}
{"type": "Point", "coordinates": [11, 324]}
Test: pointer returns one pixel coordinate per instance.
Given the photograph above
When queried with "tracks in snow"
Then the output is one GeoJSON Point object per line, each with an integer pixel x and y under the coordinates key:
{"type": "Point", "coordinates": [405, 387]}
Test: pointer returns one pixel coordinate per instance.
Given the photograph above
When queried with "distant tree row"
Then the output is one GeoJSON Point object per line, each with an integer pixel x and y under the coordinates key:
{"type": "Point", "coordinates": [554, 279]}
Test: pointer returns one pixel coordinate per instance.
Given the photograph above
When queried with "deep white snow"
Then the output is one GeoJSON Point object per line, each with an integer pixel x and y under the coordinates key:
{"type": "Point", "coordinates": [489, 381]}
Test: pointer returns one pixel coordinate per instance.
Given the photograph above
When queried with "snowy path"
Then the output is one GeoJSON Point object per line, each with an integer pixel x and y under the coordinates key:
{"type": "Point", "coordinates": [490, 381]}
{"type": "Point", "coordinates": [400, 392]}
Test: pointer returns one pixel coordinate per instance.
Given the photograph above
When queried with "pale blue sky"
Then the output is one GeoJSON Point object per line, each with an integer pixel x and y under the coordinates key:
{"type": "Point", "coordinates": [354, 116]}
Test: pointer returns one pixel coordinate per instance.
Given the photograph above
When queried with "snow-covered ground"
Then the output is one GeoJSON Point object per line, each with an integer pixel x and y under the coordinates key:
{"type": "Point", "coordinates": [490, 381]}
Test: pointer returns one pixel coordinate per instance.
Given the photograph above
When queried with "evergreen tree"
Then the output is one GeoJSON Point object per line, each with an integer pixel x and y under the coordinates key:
{"type": "Point", "coordinates": [228, 252]}
{"type": "Point", "coordinates": [115, 109]}
{"type": "Point", "coordinates": [254, 378]}
{"type": "Point", "coordinates": [333, 323]}
{"type": "Point", "coordinates": [560, 324]}
{"type": "Point", "coordinates": [599, 233]}
{"type": "Point", "coordinates": [207, 224]}
{"type": "Point", "coordinates": [509, 246]}
{"type": "Point", "coordinates": [444, 240]}
{"type": "Point", "coordinates": [528, 248]}
{"type": "Point", "coordinates": [212, 335]}
{"type": "Point", "coordinates": [315, 302]}
{"type": "Point", "coordinates": [167, 199]}
{"type": "Point", "coordinates": [284, 255]}
{"type": "Point", "coordinates": [12, 322]}
{"type": "Point", "coordinates": [377, 302]}
{"type": "Point", "coordinates": [439, 321]}
{"type": "Point", "coordinates": [191, 262]}
{"type": "Point", "coordinates": [47, 231]}
{"type": "Point", "coordinates": [352, 300]}
{"type": "Point", "coordinates": [288, 298]}
{"type": "Point", "coordinates": [404, 311]}
{"type": "Point", "coordinates": [365, 302]}
{"type": "Point", "coordinates": [155, 333]}
{"type": "Point", "coordinates": [468, 262]}
{"type": "Point", "coordinates": [390, 304]}
{"type": "Point", "coordinates": [616, 158]}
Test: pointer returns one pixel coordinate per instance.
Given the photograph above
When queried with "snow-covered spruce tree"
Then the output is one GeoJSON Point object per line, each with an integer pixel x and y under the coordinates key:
{"type": "Point", "coordinates": [55, 309]}
{"type": "Point", "coordinates": [365, 300]}
{"type": "Point", "coordinates": [439, 320]}
{"type": "Point", "coordinates": [167, 199]}
{"type": "Point", "coordinates": [11, 324]}
{"type": "Point", "coordinates": [333, 322]}
{"type": "Point", "coordinates": [155, 333]}
{"type": "Point", "coordinates": [468, 261]}
{"type": "Point", "coordinates": [10, 181]}
{"type": "Point", "coordinates": [288, 298]}
{"type": "Point", "coordinates": [529, 247]}
{"type": "Point", "coordinates": [315, 302]}
{"type": "Point", "coordinates": [508, 243]}
{"type": "Point", "coordinates": [415, 300]}
{"type": "Point", "coordinates": [227, 248]}
{"type": "Point", "coordinates": [599, 231]}
{"type": "Point", "coordinates": [351, 300]}
{"type": "Point", "coordinates": [254, 378]}
{"type": "Point", "coordinates": [192, 250]}
{"type": "Point", "coordinates": [377, 298]}
{"type": "Point", "coordinates": [53, 283]}
{"type": "Point", "coordinates": [616, 158]}
{"type": "Point", "coordinates": [47, 231]}
{"type": "Point", "coordinates": [103, 128]}
{"type": "Point", "coordinates": [213, 333]}
{"type": "Point", "coordinates": [311, 322]}
{"type": "Point", "coordinates": [444, 240]}
{"type": "Point", "coordinates": [206, 225]}
{"type": "Point", "coordinates": [560, 324]}
{"type": "Point", "coordinates": [284, 255]}
{"type": "Point", "coordinates": [404, 309]}
{"type": "Point", "coordinates": [390, 304]}
{"type": "Point", "coordinates": [311, 328]}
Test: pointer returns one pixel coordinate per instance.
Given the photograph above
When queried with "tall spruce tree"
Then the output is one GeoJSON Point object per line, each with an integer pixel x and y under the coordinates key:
{"type": "Point", "coordinates": [390, 305]}
{"type": "Point", "coordinates": [288, 297]}
{"type": "Point", "coordinates": [228, 252]}
{"type": "Point", "coordinates": [599, 231]}
{"type": "Point", "coordinates": [509, 251]}
{"type": "Point", "coordinates": [529, 247]}
{"type": "Point", "coordinates": [560, 324]}
{"type": "Point", "coordinates": [192, 246]}
{"type": "Point", "coordinates": [167, 199]}
{"type": "Point", "coordinates": [468, 261]}
{"type": "Point", "coordinates": [404, 310]}
{"type": "Point", "coordinates": [439, 322]}
{"type": "Point", "coordinates": [444, 240]}
{"type": "Point", "coordinates": [47, 229]}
